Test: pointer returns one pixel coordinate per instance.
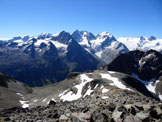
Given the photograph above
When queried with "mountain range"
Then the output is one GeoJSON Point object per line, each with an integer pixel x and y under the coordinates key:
{"type": "Point", "coordinates": [49, 58]}
{"type": "Point", "coordinates": [142, 43]}
{"type": "Point", "coordinates": [83, 77]}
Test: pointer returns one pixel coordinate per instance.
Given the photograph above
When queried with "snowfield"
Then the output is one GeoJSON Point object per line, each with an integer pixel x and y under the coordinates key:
{"type": "Point", "coordinates": [116, 81]}
{"type": "Point", "coordinates": [141, 43]}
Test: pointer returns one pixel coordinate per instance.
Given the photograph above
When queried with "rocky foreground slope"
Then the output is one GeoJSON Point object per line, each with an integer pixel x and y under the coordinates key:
{"type": "Point", "coordinates": [131, 107]}
{"type": "Point", "coordinates": [95, 96]}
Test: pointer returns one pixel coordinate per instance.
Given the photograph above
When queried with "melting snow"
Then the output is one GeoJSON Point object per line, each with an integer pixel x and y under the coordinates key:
{"type": "Point", "coordinates": [59, 45]}
{"type": "Point", "coordinates": [63, 93]}
{"type": "Point", "coordinates": [56, 34]}
{"type": "Point", "coordinates": [105, 90]}
{"type": "Point", "coordinates": [96, 86]}
{"type": "Point", "coordinates": [115, 81]}
{"type": "Point", "coordinates": [24, 103]}
{"type": "Point", "coordinates": [148, 84]}
{"type": "Point", "coordinates": [160, 96]}
{"type": "Point", "coordinates": [18, 41]}
{"type": "Point", "coordinates": [151, 88]}
{"type": "Point", "coordinates": [102, 87]}
{"type": "Point", "coordinates": [104, 97]}
{"type": "Point", "coordinates": [89, 91]}
{"type": "Point", "coordinates": [35, 101]}
{"type": "Point", "coordinates": [38, 43]}
{"type": "Point", "coordinates": [70, 96]}
{"type": "Point", "coordinates": [50, 100]}
{"type": "Point", "coordinates": [99, 53]}
{"type": "Point", "coordinates": [19, 94]}
{"type": "Point", "coordinates": [44, 100]}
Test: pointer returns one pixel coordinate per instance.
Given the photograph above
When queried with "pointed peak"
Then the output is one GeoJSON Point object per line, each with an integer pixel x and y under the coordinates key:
{"type": "Point", "coordinates": [45, 34]}
{"type": "Point", "coordinates": [82, 32]}
{"type": "Point", "coordinates": [25, 37]}
{"type": "Point", "coordinates": [151, 38]}
{"type": "Point", "coordinates": [56, 34]}
{"type": "Point", "coordinates": [104, 34]}
{"type": "Point", "coordinates": [64, 33]}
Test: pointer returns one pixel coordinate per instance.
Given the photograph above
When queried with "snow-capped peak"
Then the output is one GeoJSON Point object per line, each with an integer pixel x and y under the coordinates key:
{"type": "Point", "coordinates": [82, 35]}
{"type": "Point", "coordinates": [44, 35]}
{"type": "Point", "coordinates": [142, 43]}
{"type": "Point", "coordinates": [104, 34]}
{"type": "Point", "coordinates": [56, 34]}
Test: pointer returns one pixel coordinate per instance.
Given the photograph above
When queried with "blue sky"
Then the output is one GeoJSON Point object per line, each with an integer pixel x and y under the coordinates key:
{"type": "Point", "coordinates": [119, 17]}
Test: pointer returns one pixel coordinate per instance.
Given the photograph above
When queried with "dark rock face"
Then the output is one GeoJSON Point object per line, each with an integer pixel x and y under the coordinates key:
{"type": "Point", "coordinates": [146, 65]}
{"type": "Point", "coordinates": [137, 85]}
{"type": "Point", "coordinates": [158, 88]}
{"type": "Point", "coordinates": [80, 57]}
{"type": "Point", "coordinates": [52, 102]}
{"type": "Point", "coordinates": [4, 79]}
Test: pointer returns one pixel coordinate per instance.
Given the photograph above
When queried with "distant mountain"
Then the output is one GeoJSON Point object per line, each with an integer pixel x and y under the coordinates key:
{"type": "Point", "coordinates": [48, 58]}
{"type": "Point", "coordinates": [142, 43]}
{"type": "Point", "coordinates": [104, 45]}
{"type": "Point", "coordinates": [44, 59]}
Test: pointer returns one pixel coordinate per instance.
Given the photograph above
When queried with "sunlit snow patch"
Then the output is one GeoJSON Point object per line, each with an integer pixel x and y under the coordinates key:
{"type": "Point", "coordinates": [35, 101]}
{"type": "Point", "coordinates": [24, 103]}
{"type": "Point", "coordinates": [99, 53]}
{"type": "Point", "coordinates": [19, 94]}
{"type": "Point", "coordinates": [44, 100]}
{"type": "Point", "coordinates": [115, 81]}
{"type": "Point", "coordinates": [70, 96]}
{"type": "Point", "coordinates": [59, 45]}
{"type": "Point", "coordinates": [50, 100]}
{"type": "Point", "coordinates": [149, 84]}
{"type": "Point", "coordinates": [40, 41]}
{"type": "Point", "coordinates": [104, 97]}
{"type": "Point", "coordinates": [90, 90]}
{"type": "Point", "coordinates": [105, 90]}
